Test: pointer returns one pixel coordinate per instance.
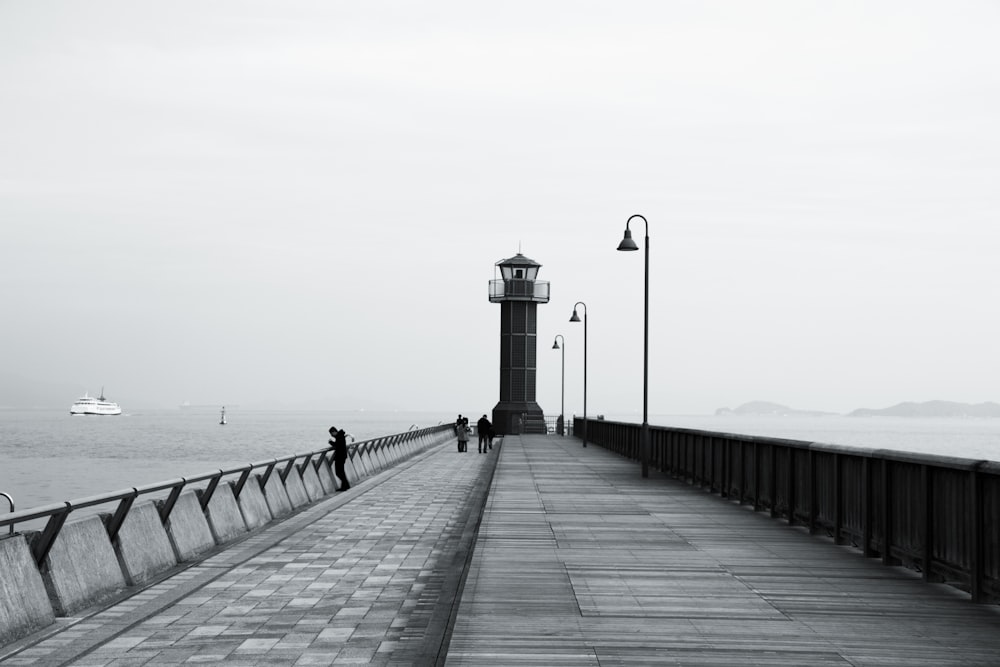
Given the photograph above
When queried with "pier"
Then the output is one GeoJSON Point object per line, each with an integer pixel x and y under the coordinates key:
{"type": "Point", "coordinates": [540, 552]}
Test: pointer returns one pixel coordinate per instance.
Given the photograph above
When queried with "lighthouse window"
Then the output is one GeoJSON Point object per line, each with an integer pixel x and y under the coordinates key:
{"type": "Point", "coordinates": [519, 274]}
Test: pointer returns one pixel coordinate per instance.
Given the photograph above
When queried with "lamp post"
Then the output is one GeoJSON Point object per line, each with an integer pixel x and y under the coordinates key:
{"type": "Point", "coordinates": [576, 318]}
{"type": "Point", "coordinates": [562, 404]}
{"type": "Point", "coordinates": [628, 244]}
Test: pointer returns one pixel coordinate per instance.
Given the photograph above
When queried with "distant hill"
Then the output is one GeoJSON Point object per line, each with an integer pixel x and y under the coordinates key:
{"type": "Point", "coordinates": [932, 409]}
{"type": "Point", "coordinates": [767, 408]}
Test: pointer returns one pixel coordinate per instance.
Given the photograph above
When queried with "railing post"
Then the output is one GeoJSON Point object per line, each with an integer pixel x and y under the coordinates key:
{"type": "Point", "coordinates": [44, 541]}
{"type": "Point", "coordinates": [927, 508]}
{"type": "Point", "coordinates": [267, 473]}
{"type": "Point", "coordinates": [288, 468]}
{"type": "Point", "coordinates": [724, 463]}
{"type": "Point", "coordinates": [838, 499]}
{"type": "Point", "coordinates": [887, 488]}
{"type": "Point", "coordinates": [976, 537]}
{"type": "Point", "coordinates": [756, 476]}
{"type": "Point", "coordinates": [811, 494]}
{"type": "Point", "coordinates": [167, 506]}
{"type": "Point", "coordinates": [708, 463]}
{"type": "Point", "coordinates": [244, 476]}
{"type": "Point", "coordinates": [790, 486]}
{"type": "Point", "coordinates": [205, 496]}
{"type": "Point", "coordinates": [114, 524]}
{"type": "Point", "coordinates": [774, 480]}
{"type": "Point", "coordinates": [867, 511]}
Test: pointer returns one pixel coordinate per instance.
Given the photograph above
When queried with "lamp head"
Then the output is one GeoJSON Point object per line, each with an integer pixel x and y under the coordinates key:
{"type": "Point", "coordinates": [555, 345]}
{"type": "Point", "coordinates": [627, 242]}
{"type": "Point", "coordinates": [574, 317]}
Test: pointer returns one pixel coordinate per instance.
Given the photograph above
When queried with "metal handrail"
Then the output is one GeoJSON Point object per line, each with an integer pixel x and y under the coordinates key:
{"type": "Point", "coordinates": [57, 513]}
{"type": "Point", "coordinates": [11, 501]}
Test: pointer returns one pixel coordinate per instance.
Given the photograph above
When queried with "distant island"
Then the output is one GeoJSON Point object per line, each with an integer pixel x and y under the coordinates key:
{"type": "Point", "coordinates": [768, 408]}
{"type": "Point", "coordinates": [907, 409]}
{"type": "Point", "coordinates": [932, 409]}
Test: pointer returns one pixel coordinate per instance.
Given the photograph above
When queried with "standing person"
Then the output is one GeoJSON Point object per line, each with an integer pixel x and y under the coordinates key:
{"type": "Point", "coordinates": [339, 444]}
{"type": "Point", "coordinates": [461, 430]}
{"type": "Point", "coordinates": [483, 426]}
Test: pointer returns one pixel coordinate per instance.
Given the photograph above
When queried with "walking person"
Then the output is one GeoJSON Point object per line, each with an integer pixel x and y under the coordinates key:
{"type": "Point", "coordinates": [339, 444]}
{"type": "Point", "coordinates": [462, 431]}
{"type": "Point", "coordinates": [483, 426]}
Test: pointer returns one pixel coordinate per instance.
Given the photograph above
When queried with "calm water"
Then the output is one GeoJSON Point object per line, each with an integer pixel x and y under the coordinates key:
{"type": "Point", "coordinates": [49, 456]}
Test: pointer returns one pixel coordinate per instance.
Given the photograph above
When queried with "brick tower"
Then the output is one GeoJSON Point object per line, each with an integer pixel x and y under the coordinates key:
{"type": "Point", "coordinates": [518, 294]}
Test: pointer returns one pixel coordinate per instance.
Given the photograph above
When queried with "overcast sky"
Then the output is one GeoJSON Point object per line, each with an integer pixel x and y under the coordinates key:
{"type": "Point", "coordinates": [237, 202]}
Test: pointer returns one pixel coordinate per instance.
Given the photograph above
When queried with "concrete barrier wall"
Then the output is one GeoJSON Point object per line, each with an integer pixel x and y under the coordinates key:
{"type": "Point", "coordinates": [353, 472]}
{"type": "Point", "coordinates": [253, 506]}
{"type": "Point", "coordinates": [24, 604]}
{"type": "Point", "coordinates": [84, 568]}
{"type": "Point", "coordinates": [311, 481]}
{"type": "Point", "coordinates": [188, 528]}
{"type": "Point", "coordinates": [276, 496]}
{"type": "Point", "coordinates": [142, 546]}
{"type": "Point", "coordinates": [361, 469]}
{"type": "Point", "coordinates": [296, 489]}
{"type": "Point", "coordinates": [326, 478]}
{"type": "Point", "coordinates": [224, 517]}
{"type": "Point", "coordinates": [81, 568]}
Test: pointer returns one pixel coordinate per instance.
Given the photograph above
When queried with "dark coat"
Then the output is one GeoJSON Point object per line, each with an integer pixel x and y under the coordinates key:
{"type": "Point", "coordinates": [339, 447]}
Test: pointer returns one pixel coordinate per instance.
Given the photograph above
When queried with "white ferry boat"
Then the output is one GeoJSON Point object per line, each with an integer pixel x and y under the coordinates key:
{"type": "Point", "coordinates": [88, 405]}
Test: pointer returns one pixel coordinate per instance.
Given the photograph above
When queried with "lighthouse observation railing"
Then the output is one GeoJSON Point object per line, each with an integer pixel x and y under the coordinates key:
{"type": "Point", "coordinates": [937, 515]}
{"type": "Point", "coordinates": [519, 290]}
{"type": "Point", "coordinates": [367, 457]}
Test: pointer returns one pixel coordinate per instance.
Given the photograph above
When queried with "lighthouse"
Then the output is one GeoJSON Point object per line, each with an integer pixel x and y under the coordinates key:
{"type": "Point", "coordinates": [518, 294]}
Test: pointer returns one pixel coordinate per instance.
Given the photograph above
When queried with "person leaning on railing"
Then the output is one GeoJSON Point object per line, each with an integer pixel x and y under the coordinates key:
{"type": "Point", "coordinates": [339, 444]}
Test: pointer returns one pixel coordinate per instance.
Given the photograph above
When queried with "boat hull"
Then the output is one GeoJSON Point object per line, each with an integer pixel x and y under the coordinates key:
{"type": "Point", "coordinates": [92, 410]}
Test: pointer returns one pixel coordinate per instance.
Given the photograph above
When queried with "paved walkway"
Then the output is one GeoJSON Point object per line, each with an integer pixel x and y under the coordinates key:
{"type": "Point", "coordinates": [369, 576]}
{"type": "Point", "coordinates": [578, 561]}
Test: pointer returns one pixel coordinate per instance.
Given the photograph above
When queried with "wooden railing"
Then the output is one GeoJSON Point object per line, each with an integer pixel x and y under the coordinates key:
{"type": "Point", "coordinates": [934, 514]}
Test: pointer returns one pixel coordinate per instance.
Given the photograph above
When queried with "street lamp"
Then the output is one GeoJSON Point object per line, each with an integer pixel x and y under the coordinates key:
{"type": "Point", "coordinates": [628, 244]}
{"type": "Point", "coordinates": [576, 318]}
{"type": "Point", "coordinates": [562, 404]}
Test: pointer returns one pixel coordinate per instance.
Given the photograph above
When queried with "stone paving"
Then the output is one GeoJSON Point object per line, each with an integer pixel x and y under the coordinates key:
{"type": "Point", "coordinates": [369, 576]}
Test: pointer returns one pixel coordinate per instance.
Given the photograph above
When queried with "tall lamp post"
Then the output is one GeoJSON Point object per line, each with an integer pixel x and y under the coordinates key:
{"type": "Point", "coordinates": [576, 318]}
{"type": "Point", "coordinates": [562, 404]}
{"type": "Point", "coordinates": [628, 244]}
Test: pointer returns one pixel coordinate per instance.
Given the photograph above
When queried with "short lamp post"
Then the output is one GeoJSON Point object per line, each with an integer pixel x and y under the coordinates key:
{"type": "Point", "coordinates": [562, 403]}
{"type": "Point", "coordinates": [628, 244]}
{"type": "Point", "coordinates": [576, 318]}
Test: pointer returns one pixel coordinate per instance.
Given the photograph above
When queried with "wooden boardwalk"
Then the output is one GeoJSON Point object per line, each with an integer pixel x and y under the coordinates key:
{"type": "Point", "coordinates": [580, 561]}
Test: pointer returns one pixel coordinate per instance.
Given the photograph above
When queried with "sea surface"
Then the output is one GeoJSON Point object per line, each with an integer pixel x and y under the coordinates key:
{"type": "Point", "coordinates": [48, 456]}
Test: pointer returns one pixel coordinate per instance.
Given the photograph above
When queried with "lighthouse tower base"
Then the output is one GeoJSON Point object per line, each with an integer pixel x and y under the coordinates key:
{"type": "Point", "coordinates": [510, 418]}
